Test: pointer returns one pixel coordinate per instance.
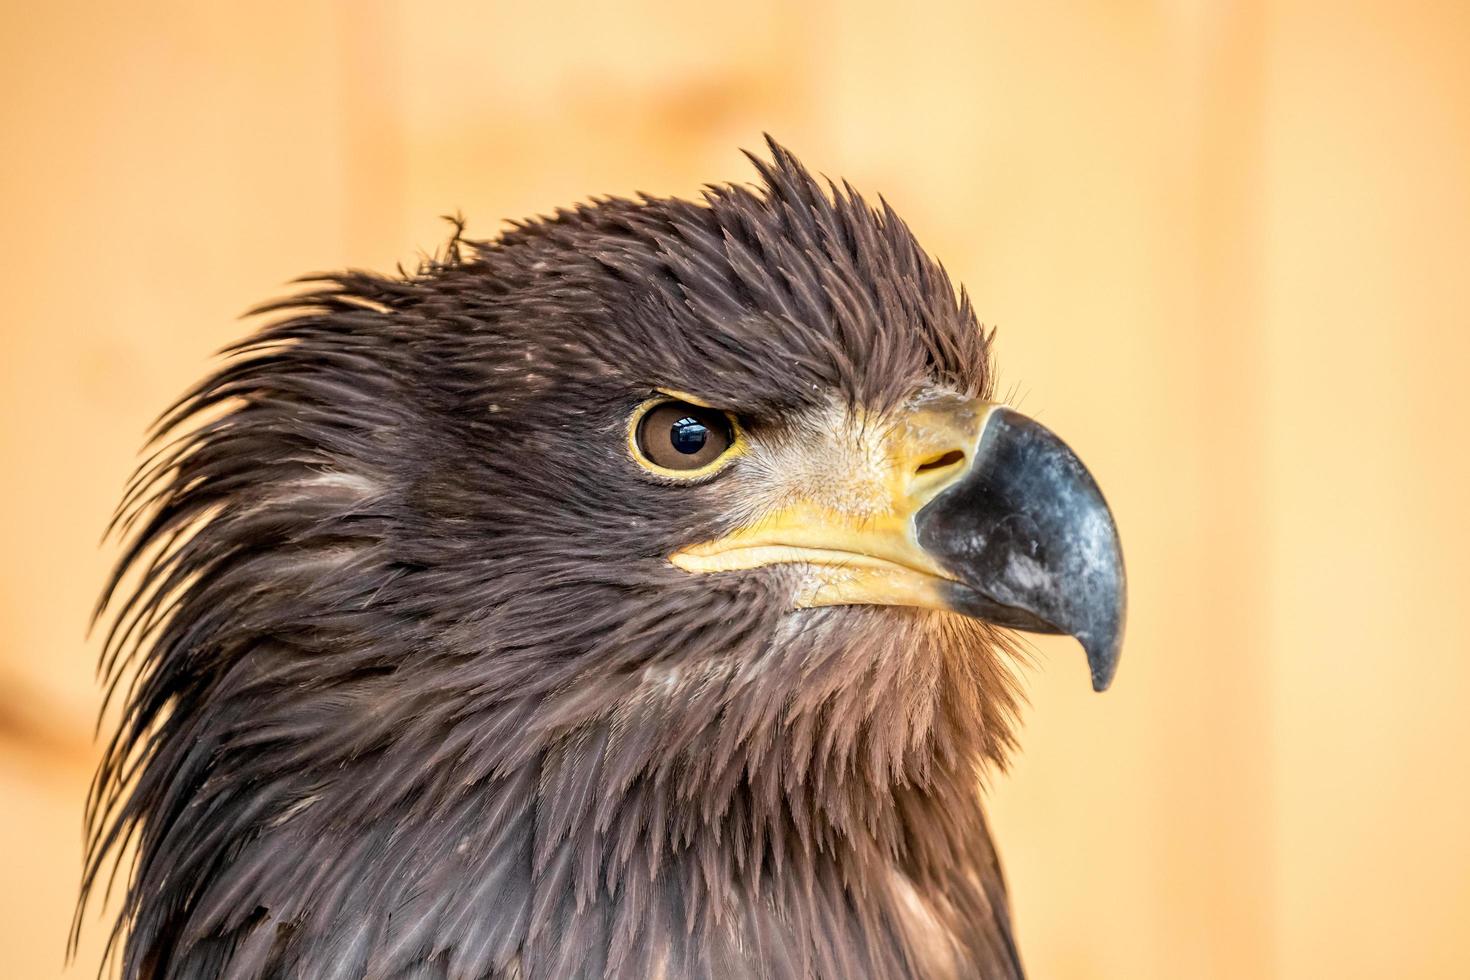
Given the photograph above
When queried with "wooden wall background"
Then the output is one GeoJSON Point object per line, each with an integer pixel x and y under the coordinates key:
{"type": "Point", "coordinates": [1227, 246]}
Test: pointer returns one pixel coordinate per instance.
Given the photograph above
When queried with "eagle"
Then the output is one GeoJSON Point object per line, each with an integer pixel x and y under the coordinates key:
{"type": "Point", "coordinates": [627, 596]}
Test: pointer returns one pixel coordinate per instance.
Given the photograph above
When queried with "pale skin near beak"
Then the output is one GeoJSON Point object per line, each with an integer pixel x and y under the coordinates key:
{"type": "Point", "coordinates": [866, 552]}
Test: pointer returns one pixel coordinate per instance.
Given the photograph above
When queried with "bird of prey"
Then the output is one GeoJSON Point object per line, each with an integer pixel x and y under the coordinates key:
{"type": "Point", "coordinates": [627, 596]}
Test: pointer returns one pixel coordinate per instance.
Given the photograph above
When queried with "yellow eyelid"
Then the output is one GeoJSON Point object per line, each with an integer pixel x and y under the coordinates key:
{"type": "Point", "coordinates": [684, 396]}
{"type": "Point", "coordinates": [737, 448]}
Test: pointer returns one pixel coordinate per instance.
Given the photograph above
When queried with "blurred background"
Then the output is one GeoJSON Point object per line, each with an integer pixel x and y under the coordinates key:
{"type": "Point", "coordinates": [1227, 250]}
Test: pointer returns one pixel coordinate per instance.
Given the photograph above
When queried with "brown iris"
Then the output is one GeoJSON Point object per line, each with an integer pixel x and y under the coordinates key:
{"type": "Point", "coordinates": [676, 435]}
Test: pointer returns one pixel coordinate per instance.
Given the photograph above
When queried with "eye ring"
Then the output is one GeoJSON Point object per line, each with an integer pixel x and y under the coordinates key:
{"type": "Point", "coordinates": [677, 437]}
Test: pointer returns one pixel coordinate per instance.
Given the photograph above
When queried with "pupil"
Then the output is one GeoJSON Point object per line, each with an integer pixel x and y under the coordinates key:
{"type": "Point", "coordinates": [689, 436]}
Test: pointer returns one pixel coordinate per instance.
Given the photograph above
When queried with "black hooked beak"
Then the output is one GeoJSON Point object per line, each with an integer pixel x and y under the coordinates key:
{"type": "Point", "coordinates": [1029, 537]}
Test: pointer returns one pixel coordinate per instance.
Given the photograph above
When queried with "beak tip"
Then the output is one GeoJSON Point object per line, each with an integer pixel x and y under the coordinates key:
{"type": "Point", "coordinates": [1103, 653]}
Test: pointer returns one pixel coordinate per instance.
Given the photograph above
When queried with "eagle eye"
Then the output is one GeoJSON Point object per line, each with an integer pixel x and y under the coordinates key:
{"type": "Point", "coordinates": [683, 438]}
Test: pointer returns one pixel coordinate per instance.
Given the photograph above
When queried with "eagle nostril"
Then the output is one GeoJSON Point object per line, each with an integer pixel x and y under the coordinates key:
{"type": "Point", "coordinates": [942, 461]}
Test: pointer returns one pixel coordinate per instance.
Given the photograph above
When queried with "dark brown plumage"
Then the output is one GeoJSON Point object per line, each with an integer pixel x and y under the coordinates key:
{"type": "Point", "coordinates": [417, 692]}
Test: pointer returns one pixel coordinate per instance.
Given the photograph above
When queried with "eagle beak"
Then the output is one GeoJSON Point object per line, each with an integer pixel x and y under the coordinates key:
{"type": "Point", "coordinates": [974, 508]}
{"type": "Point", "coordinates": [1030, 541]}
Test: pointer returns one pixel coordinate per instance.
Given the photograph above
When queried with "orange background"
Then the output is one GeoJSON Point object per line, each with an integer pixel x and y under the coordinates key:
{"type": "Point", "coordinates": [1227, 247]}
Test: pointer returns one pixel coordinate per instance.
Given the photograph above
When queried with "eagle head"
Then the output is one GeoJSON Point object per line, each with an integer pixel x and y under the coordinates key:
{"type": "Point", "coordinates": [619, 597]}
